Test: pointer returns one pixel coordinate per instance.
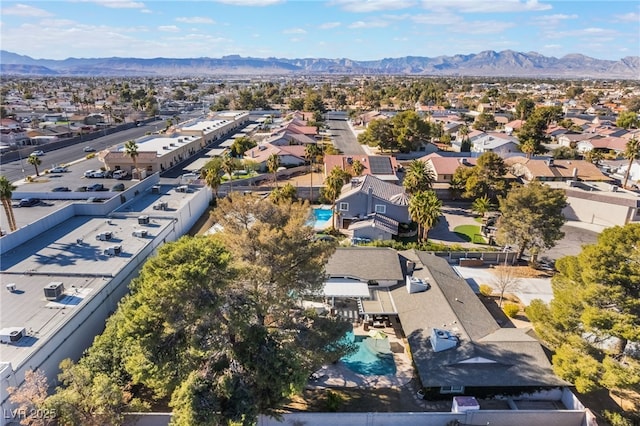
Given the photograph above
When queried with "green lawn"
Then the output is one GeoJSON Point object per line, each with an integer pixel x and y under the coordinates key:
{"type": "Point", "coordinates": [470, 233]}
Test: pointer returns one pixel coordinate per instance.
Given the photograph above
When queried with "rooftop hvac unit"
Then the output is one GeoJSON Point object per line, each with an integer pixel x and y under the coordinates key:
{"type": "Point", "coordinates": [155, 189]}
{"type": "Point", "coordinates": [12, 334]}
{"type": "Point", "coordinates": [142, 233]}
{"type": "Point", "coordinates": [104, 236]}
{"type": "Point", "coordinates": [113, 251]}
{"type": "Point", "coordinates": [614, 188]}
{"type": "Point", "coordinates": [143, 220]}
{"type": "Point", "coordinates": [53, 290]}
{"type": "Point", "coordinates": [163, 205]}
{"type": "Point", "coordinates": [11, 287]}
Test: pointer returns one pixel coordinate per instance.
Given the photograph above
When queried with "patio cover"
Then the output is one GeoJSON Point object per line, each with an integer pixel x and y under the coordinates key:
{"type": "Point", "coordinates": [345, 288]}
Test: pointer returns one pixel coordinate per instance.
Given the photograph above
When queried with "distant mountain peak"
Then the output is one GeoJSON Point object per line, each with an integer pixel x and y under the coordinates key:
{"type": "Point", "coordinates": [507, 63]}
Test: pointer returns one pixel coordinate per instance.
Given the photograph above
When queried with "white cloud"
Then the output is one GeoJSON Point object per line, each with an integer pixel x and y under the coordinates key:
{"type": "Point", "coordinates": [119, 4]}
{"type": "Point", "coordinates": [168, 28]}
{"type": "Point", "coordinates": [444, 18]}
{"type": "Point", "coordinates": [368, 24]}
{"type": "Point", "coordinates": [25, 10]}
{"type": "Point", "coordinates": [372, 5]}
{"type": "Point", "coordinates": [145, 11]}
{"type": "Point", "coordinates": [583, 32]}
{"type": "Point", "coordinates": [195, 20]}
{"type": "Point", "coordinates": [482, 27]}
{"type": "Point", "coordinates": [329, 25]}
{"type": "Point", "coordinates": [59, 23]}
{"type": "Point", "coordinates": [628, 17]}
{"type": "Point", "coordinates": [257, 3]}
{"type": "Point", "coordinates": [494, 6]}
{"type": "Point", "coordinates": [294, 31]}
{"type": "Point", "coordinates": [295, 40]}
{"type": "Point", "coordinates": [554, 19]}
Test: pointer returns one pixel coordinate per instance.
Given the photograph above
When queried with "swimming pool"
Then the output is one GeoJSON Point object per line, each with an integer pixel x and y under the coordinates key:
{"type": "Point", "coordinates": [373, 357]}
{"type": "Point", "coordinates": [322, 218]}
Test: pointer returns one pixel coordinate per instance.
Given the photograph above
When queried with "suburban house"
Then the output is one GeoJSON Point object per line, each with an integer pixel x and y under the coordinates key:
{"type": "Point", "coordinates": [368, 196]}
{"type": "Point", "coordinates": [352, 272]}
{"type": "Point", "coordinates": [383, 167]}
{"type": "Point", "coordinates": [616, 144]}
{"type": "Point", "coordinates": [288, 155]}
{"type": "Point", "coordinates": [287, 137]}
{"type": "Point", "coordinates": [555, 170]}
{"type": "Point", "coordinates": [513, 125]}
{"type": "Point", "coordinates": [499, 143]}
{"type": "Point", "coordinates": [456, 345]}
{"type": "Point", "coordinates": [571, 140]}
{"type": "Point", "coordinates": [444, 168]}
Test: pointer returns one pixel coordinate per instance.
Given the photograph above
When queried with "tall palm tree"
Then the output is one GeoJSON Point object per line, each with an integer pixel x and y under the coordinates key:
{"type": "Point", "coordinates": [212, 176]}
{"type": "Point", "coordinates": [229, 166]}
{"type": "Point", "coordinates": [273, 162]}
{"type": "Point", "coordinates": [631, 153]}
{"type": "Point", "coordinates": [131, 150]}
{"type": "Point", "coordinates": [333, 187]}
{"type": "Point", "coordinates": [311, 151]}
{"type": "Point", "coordinates": [6, 190]}
{"type": "Point", "coordinates": [35, 161]}
{"type": "Point", "coordinates": [425, 209]}
{"type": "Point", "coordinates": [418, 178]}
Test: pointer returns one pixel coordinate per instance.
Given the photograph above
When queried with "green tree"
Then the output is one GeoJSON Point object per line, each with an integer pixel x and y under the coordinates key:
{"type": "Point", "coordinates": [241, 145]}
{"type": "Point", "coordinates": [595, 313]}
{"type": "Point", "coordinates": [131, 150]}
{"type": "Point", "coordinates": [35, 161]}
{"type": "Point", "coordinates": [379, 133]}
{"type": "Point", "coordinates": [30, 397]}
{"type": "Point", "coordinates": [296, 104]}
{"type": "Point", "coordinates": [410, 130]}
{"type": "Point", "coordinates": [531, 218]}
{"type": "Point", "coordinates": [594, 156]}
{"type": "Point", "coordinates": [532, 135]}
{"type": "Point", "coordinates": [6, 192]}
{"type": "Point", "coordinates": [631, 153]}
{"type": "Point", "coordinates": [486, 178]}
{"type": "Point", "coordinates": [287, 193]}
{"type": "Point", "coordinates": [425, 209]}
{"type": "Point", "coordinates": [482, 205]}
{"type": "Point", "coordinates": [628, 120]}
{"type": "Point", "coordinates": [313, 102]}
{"type": "Point", "coordinates": [273, 163]}
{"type": "Point", "coordinates": [333, 187]}
{"type": "Point", "coordinates": [418, 178]}
{"type": "Point", "coordinates": [229, 165]}
{"type": "Point", "coordinates": [357, 167]}
{"type": "Point", "coordinates": [212, 174]}
{"type": "Point", "coordinates": [485, 121]}
{"type": "Point", "coordinates": [524, 108]}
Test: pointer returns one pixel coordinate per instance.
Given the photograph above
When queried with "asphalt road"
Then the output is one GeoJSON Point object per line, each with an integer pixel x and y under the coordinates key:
{"type": "Point", "coordinates": [342, 135]}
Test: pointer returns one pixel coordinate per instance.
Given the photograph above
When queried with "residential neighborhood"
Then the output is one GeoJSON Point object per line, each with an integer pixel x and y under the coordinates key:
{"type": "Point", "coordinates": [406, 242]}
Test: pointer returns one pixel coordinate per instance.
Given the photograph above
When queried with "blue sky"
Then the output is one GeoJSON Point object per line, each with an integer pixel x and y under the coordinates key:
{"type": "Point", "coordinates": [354, 29]}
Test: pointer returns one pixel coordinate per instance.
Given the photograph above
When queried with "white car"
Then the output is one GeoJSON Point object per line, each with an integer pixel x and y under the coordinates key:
{"type": "Point", "coordinates": [94, 174]}
{"type": "Point", "coordinates": [58, 169]}
{"type": "Point", "coordinates": [38, 153]}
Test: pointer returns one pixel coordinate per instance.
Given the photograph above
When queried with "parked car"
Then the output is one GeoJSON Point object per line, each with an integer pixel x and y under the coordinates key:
{"type": "Point", "coordinates": [58, 169]}
{"type": "Point", "coordinates": [38, 153]}
{"type": "Point", "coordinates": [119, 174]}
{"type": "Point", "coordinates": [28, 202]}
{"type": "Point", "coordinates": [96, 187]}
{"type": "Point", "coordinates": [81, 189]}
{"type": "Point", "coordinates": [89, 149]}
{"type": "Point", "coordinates": [118, 187]}
{"type": "Point", "coordinates": [61, 189]}
{"type": "Point", "coordinates": [360, 240]}
{"type": "Point", "coordinates": [94, 174]}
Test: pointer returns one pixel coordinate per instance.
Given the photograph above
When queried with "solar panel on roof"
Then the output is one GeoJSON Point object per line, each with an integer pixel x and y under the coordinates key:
{"type": "Point", "coordinates": [380, 165]}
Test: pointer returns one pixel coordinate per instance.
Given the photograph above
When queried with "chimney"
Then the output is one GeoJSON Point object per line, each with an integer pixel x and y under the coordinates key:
{"type": "Point", "coordinates": [369, 200]}
{"type": "Point", "coordinates": [574, 172]}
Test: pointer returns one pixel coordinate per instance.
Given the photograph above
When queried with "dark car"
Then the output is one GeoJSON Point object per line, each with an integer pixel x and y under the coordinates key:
{"type": "Point", "coordinates": [118, 187]}
{"type": "Point", "coordinates": [60, 189]}
{"type": "Point", "coordinates": [89, 149]}
{"type": "Point", "coordinates": [28, 202]}
{"type": "Point", "coordinates": [96, 187]}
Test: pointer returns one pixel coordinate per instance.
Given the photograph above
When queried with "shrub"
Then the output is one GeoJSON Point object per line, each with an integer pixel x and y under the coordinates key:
{"type": "Point", "coordinates": [511, 309]}
{"type": "Point", "coordinates": [616, 419]}
{"type": "Point", "coordinates": [486, 290]}
{"type": "Point", "coordinates": [334, 401]}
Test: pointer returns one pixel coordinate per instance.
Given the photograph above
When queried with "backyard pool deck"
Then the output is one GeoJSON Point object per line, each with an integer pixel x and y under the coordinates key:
{"type": "Point", "coordinates": [338, 375]}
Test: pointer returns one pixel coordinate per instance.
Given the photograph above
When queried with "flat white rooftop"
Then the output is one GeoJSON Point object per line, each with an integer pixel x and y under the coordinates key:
{"type": "Point", "coordinates": [162, 145]}
{"type": "Point", "coordinates": [204, 125]}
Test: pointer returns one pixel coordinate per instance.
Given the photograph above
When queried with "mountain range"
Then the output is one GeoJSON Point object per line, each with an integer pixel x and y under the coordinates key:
{"type": "Point", "coordinates": [506, 63]}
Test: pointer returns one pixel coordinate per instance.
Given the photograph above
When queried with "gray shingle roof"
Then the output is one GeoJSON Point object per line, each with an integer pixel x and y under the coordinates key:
{"type": "Point", "coordinates": [501, 357]}
{"type": "Point", "coordinates": [381, 189]}
{"type": "Point", "coordinates": [365, 263]}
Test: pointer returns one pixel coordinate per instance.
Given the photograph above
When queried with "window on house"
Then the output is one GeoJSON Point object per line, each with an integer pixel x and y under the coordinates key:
{"type": "Point", "coordinates": [452, 389]}
{"type": "Point", "coordinates": [380, 208]}
{"type": "Point", "coordinates": [344, 207]}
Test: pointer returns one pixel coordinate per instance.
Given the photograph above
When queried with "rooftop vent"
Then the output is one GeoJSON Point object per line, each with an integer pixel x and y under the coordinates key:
{"type": "Point", "coordinates": [11, 287]}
